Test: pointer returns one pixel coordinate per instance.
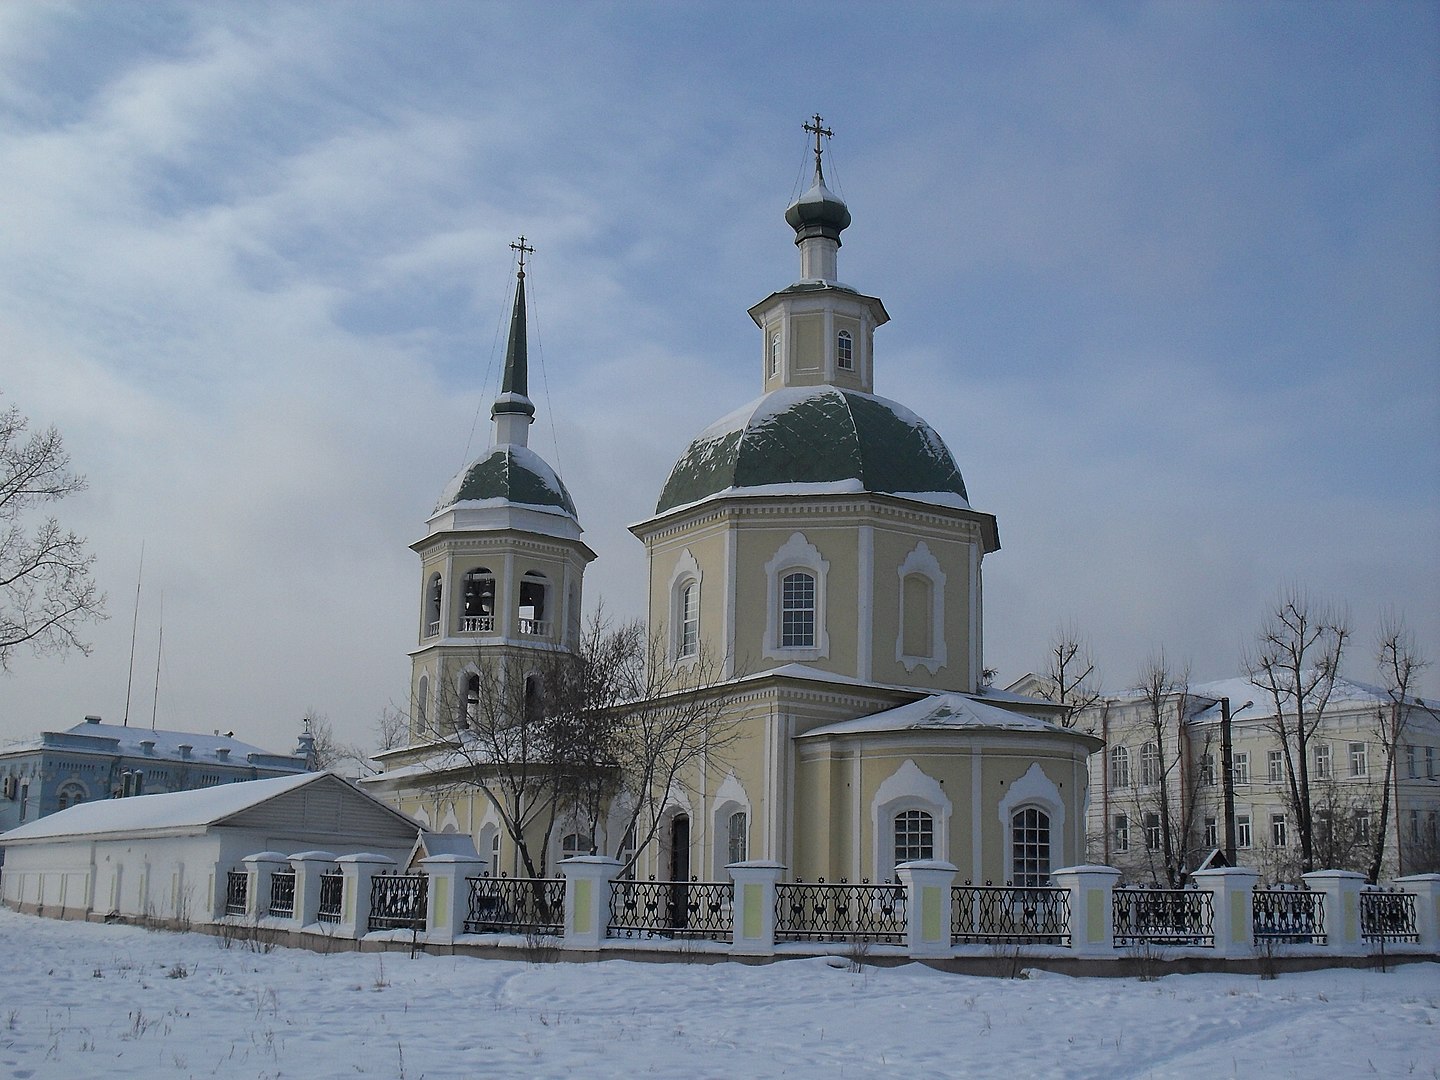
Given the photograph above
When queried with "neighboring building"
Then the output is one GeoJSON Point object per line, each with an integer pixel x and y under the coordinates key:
{"type": "Point", "coordinates": [95, 760]}
{"type": "Point", "coordinates": [820, 545]}
{"type": "Point", "coordinates": [1150, 785]}
{"type": "Point", "coordinates": [165, 857]}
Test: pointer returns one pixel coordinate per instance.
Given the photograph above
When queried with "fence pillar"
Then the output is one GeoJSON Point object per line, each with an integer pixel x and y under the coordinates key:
{"type": "Point", "coordinates": [1232, 899]}
{"type": "Point", "coordinates": [1426, 888]}
{"type": "Point", "coordinates": [927, 905]}
{"type": "Point", "coordinates": [358, 870]}
{"type": "Point", "coordinates": [753, 911]}
{"type": "Point", "coordinates": [587, 899]}
{"type": "Point", "coordinates": [308, 866]}
{"type": "Point", "coordinates": [1342, 908]}
{"type": "Point", "coordinates": [258, 868]}
{"type": "Point", "coordinates": [447, 894]}
{"type": "Point", "coordinates": [1092, 907]}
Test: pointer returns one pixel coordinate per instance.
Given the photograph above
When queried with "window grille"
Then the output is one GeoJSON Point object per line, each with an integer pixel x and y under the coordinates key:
{"type": "Point", "coordinates": [1030, 847]}
{"type": "Point", "coordinates": [797, 611]}
{"type": "Point", "coordinates": [914, 836]}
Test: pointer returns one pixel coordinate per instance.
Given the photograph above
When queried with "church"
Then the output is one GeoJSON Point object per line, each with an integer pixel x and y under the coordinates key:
{"type": "Point", "coordinates": [817, 548]}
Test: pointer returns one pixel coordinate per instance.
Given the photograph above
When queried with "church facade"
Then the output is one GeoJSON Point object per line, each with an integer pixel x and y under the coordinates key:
{"type": "Point", "coordinates": [816, 548]}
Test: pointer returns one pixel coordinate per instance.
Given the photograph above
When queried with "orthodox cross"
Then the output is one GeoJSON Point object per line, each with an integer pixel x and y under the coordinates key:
{"type": "Point", "coordinates": [524, 249]}
{"type": "Point", "coordinates": [818, 129]}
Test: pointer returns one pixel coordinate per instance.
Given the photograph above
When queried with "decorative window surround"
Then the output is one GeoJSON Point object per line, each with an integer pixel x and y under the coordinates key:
{"type": "Point", "coordinates": [922, 562]}
{"type": "Point", "coordinates": [686, 573]}
{"type": "Point", "coordinates": [907, 788]}
{"type": "Point", "coordinates": [1034, 789]}
{"type": "Point", "coordinates": [730, 798]}
{"type": "Point", "coordinates": [796, 554]}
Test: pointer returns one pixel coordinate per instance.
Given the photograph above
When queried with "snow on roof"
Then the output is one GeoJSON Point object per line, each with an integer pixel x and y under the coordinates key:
{"type": "Point", "coordinates": [1240, 690]}
{"type": "Point", "coordinates": [178, 810]}
{"type": "Point", "coordinates": [941, 712]}
{"type": "Point", "coordinates": [166, 744]}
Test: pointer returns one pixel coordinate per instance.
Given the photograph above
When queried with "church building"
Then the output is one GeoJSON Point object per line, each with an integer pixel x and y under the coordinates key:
{"type": "Point", "coordinates": [818, 545]}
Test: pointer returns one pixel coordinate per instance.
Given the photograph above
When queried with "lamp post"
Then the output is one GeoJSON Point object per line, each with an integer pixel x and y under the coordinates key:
{"type": "Point", "coordinates": [1228, 776]}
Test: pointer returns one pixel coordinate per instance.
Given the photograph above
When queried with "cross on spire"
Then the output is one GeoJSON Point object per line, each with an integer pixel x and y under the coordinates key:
{"type": "Point", "coordinates": [524, 249]}
{"type": "Point", "coordinates": [818, 129]}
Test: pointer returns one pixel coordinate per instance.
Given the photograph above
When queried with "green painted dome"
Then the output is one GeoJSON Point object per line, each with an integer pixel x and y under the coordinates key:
{"type": "Point", "coordinates": [808, 440]}
{"type": "Point", "coordinates": [509, 474]}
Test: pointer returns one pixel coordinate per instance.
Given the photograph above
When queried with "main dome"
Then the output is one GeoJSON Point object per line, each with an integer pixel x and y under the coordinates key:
{"type": "Point", "coordinates": [807, 440]}
{"type": "Point", "coordinates": [508, 474]}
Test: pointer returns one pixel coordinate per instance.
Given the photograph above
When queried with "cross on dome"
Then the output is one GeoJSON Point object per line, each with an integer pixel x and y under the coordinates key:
{"type": "Point", "coordinates": [524, 249]}
{"type": "Point", "coordinates": [819, 130]}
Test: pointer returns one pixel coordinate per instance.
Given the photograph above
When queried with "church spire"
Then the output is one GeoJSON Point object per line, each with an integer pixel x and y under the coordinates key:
{"type": "Point", "coordinates": [818, 217]}
{"type": "Point", "coordinates": [513, 411]}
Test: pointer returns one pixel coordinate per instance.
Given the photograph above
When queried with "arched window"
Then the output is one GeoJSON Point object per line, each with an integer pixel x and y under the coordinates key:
{"type": "Point", "coordinates": [575, 843]}
{"type": "Point", "coordinates": [1150, 763]}
{"type": "Point", "coordinates": [72, 793]}
{"type": "Point", "coordinates": [531, 610]}
{"type": "Point", "coordinates": [432, 606]}
{"type": "Point", "coordinates": [919, 598]}
{"type": "Point", "coordinates": [921, 641]}
{"type": "Point", "coordinates": [478, 612]}
{"type": "Point", "coordinates": [1120, 767]}
{"type": "Point", "coordinates": [470, 706]}
{"type": "Point", "coordinates": [845, 350]}
{"type": "Point", "coordinates": [533, 705]}
{"type": "Point", "coordinates": [739, 845]}
{"type": "Point", "coordinates": [688, 643]}
{"type": "Point", "coordinates": [422, 705]}
{"type": "Point", "coordinates": [774, 355]}
{"type": "Point", "coordinates": [797, 611]}
{"type": "Point", "coordinates": [914, 836]}
{"type": "Point", "coordinates": [1030, 847]}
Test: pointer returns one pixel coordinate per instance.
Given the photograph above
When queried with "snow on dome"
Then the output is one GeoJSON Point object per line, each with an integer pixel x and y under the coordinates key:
{"type": "Point", "coordinates": [817, 440]}
{"type": "Point", "coordinates": [511, 474]}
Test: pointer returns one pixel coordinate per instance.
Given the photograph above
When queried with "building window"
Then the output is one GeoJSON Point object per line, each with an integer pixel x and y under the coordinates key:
{"type": "Point", "coordinates": [71, 793]}
{"type": "Point", "coordinates": [533, 704]}
{"type": "Point", "coordinates": [531, 610]}
{"type": "Point", "coordinates": [574, 844]}
{"type": "Point", "coordinates": [1211, 833]}
{"type": "Point", "coordinates": [1150, 763]}
{"type": "Point", "coordinates": [916, 593]}
{"type": "Point", "coordinates": [797, 611]}
{"type": "Point", "coordinates": [1120, 767]}
{"type": "Point", "coordinates": [914, 836]}
{"type": "Point", "coordinates": [845, 350]}
{"type": "Point", "coordinates": [1414, 826]}
{"type": "Point", "coordinates": [1279, 834]}
{"type": "Point", "coordinates": [1430, 762]}
{"type": "Point", "coordinates": [433, 593]}
{"type": "Point", "coordinates": [1207, 770]}
{"type": "Point", "coordinates": [1274, 766]}
{"type": "Point", "coordinates": [739, 837]}
{"type": "Point", "coordinates": [1242, 830]}
{"type": "Point", "coordinates": [774, 355]}
{"type": "Point", "coordinates": [1152, 832]}
{"type": "Point", "coordinates": [1359, 760]}
{"type": "Point", "coordinates": [921, 641]}
{"type": "Point", "coordinates": [24, 798]}
{"type": "Point", "coordinates": [478, 616]}
{"type": "Point", "coordinates": [470, 701]}
{"type": "Point", "coordinates": [1324, 761]}
{"type": "Point", "coordinates": [1240, 767]}
{"type": "Point", "coordinates": [422, 704]}
{"type": "Point", "coordinates": [1030, 847]}
{"type": "Point", "coordinates": [1122, 832]}
{"type": "Point", "coordinates": [1412, 763]}
{"type": "Point", "coordinates": [689, 643]}
{"type": "Point", "coordinates": [1362, 826]}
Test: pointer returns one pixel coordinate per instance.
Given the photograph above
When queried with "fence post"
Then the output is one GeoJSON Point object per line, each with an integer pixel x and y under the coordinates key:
{"type": "Point", "coordinates": [258, 868]}
{"type": "Point", "coordinates": [753, 911]}
{"type": "Point", "coordinates": [1426, 888]}
{"type": "Point", "coordinates": [1092, 908]}
{"type": "Point", "coordinates": [1232, 899]}
{"type": "Point", "coordinates": [308, 866]}
{"type": "Point", "coordinates": [1342, 908]}
{"type": "Point", "coordinates": [447, 895]}
{"type": "Point", "coordinates": [927, 905]}
{"type": "Point", "coordinates": [358, 870]}
{"type": "Point", "coordinates": [587, 899]}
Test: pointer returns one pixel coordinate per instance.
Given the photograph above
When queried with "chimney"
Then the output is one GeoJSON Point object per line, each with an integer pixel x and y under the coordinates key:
{"type": "Point", "coordinates": [92, 719]}
{"type": "Point", "coordinates": [223, 753]}
{"type": "Point", "coordinates": [185, 749]}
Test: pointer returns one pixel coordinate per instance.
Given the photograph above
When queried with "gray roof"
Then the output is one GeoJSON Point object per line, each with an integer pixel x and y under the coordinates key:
{"type": "Point", "coordinates": [946, 712]}
{"type": "Point", "coordinates": [821, 438]}
{"type": "Point", "coordinates": [509, 474]}
{"type": "Point", "coordinates": [164, 745]}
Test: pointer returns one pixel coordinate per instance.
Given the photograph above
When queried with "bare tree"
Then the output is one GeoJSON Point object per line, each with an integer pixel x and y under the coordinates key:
{"type": "Point", "coordinates": [46, 589]}
{"type": "Point", "coordinates": [1070, 677]}
{"type": "Point", "coordinates": [327, 751]}
{"type": "Point", "coordinates": [392, 727]}
{"type": "Point", "coordinates": [1296, 660]}
{"type": "Point", "coordinates": [1400, 664]}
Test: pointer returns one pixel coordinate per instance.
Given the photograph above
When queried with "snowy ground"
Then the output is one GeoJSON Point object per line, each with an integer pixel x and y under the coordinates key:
{"type": "Point", "coordinates": [86, 1000]}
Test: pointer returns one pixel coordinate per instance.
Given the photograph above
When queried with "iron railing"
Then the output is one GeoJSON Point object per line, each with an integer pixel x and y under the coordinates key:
{"type": "Point", "coordinates": [1387, 915]}
{"type": "Point", "coordinates": [1009, 915]}
{"type": "Point", "coordinates": [693, 909]}
{"type": "Point", "coordinates": [282, 894]}
{"type": "Point", "coordinates": [1156, 916]}
{"type": "Point", "coordinates": [397, 901]}
{"type": "Point", "coordinates": [839, 911]}
{"type": "Point", "coordinates": [1288, 916]}
{"type": "Point", "coordinates": [516, 905]}
{"type": "Point", "coordinates": [237, 892]}
{"type": "Point", "coordinates": [332, 892]}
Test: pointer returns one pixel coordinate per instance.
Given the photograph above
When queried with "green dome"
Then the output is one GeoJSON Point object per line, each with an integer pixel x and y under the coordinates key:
{"type": "Point", "coordinates": [509, 474]}
{"type": "Point", "coordinates": [807, 440]}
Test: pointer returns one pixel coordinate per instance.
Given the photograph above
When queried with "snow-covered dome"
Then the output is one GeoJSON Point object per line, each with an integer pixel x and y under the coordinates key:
{"type": "Point", "coordinates": [508, 474]}
{"type": "Point", "coordinates": [808, 440]}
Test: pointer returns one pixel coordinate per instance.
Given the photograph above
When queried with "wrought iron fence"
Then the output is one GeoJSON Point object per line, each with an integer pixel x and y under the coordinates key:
{"type": "Point", "coordinates": [237, 892]}
{"type": "Point", "coordinates": [1009, 915]}
{"type": "Point", "coordinates": [691, 909]}
{"type": "Point", "coordinates": [516, 905]}
{"type": "Point", "coordinates": [1291, 915]}
{"type": "Point", "coordinates": [839, 911]}
{"type": "Point", "coordinates": [332, 892]}
{"type": "Point", "coordinates": [1156, 916]}
{"type": "Point", "coordinates": [282, 894]}
{"type": "Point", "coordinates": [1387, 915]}
{"type": "Point", "coordinates": [397, 901]}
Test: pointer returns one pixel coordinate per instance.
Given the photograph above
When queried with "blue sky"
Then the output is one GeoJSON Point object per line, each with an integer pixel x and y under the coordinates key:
{"type": "Point", "coordinates": [1166, 277]}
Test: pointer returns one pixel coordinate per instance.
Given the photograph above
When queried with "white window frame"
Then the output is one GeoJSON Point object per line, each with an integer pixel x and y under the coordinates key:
{"type": "Point", "coordinates": [1359, 760]}
{"type": "Point", "coordinates": [772, 367]}
{"type": "Point", "coordinates": [796, 555]}
{"type": "Point", "coordinates": [1279, 830]}
{"type": "Point", "coordinates": [1153, 831]}
{"type": "Point", "coordinates": [1030, 880]}
{"type": "Point", "coordinates": [1120, 830]}
{"type": "Point", "coordinates": [922, 562]}
{"type": "Point", "coordinates": [1274, 766]}
{"type": "Point", "coordinates": [1240, 767]}
{"type": "Point", "coordinates": [1244, 837]}
{"type": "Point", "coordinates": [1324, 761]}
{"type": "Point", "coordinates": [1034, 789]}
{"type": "Point", "coordinates": [1119, 767]}
{"type": "Point", "coordinates": [685, 575]}
{"type": "Point", "coordinates": [907, 788]}
{"type": "Point", "coordinates": [730, 799]}
{"type": "Point", "coordinates": [843, 337]}
{"type": "Point", "coordinates": [1151, 766]}
{"type": "Point", "coordinates": [1210, 832]}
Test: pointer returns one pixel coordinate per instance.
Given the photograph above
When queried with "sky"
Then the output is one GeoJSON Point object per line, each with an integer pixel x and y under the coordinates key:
{"type": "Point", "coordinates": [1164, 277]}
